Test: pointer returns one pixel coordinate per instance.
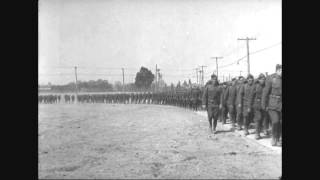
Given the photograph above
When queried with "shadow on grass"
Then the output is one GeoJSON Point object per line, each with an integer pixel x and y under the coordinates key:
{"type": "Point", "coordinates": [224, 131]}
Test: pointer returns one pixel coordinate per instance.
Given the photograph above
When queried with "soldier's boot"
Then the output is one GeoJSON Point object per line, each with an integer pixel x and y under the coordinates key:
{"type": "Point", "coordinates": [246, 132]}
{"type": "Point", "coordinates": [224, 120]}
{"type": "Point", "coordinates": [233, 126]}
{"type": "Point", "coordinates": [257, 136]}
{"type": "Point", "coordinates": [273, 141]}
{"type": "Point", "coordinates": [214, 130]}
{"type": "Point", "coordinates": [279, 142]}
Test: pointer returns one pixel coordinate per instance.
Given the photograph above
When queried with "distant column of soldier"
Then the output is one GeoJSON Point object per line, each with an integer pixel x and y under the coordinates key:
{"type": "Point", "coordinates": [49, 99]}
{"type": "Point", "coordinates": [190, 99]}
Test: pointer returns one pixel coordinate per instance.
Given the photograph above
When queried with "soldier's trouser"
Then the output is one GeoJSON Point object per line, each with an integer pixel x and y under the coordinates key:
{"type": "Point", "coordinates": [275, 117]}
{"type": "Point", "coordinates": [246, 117]}
{"type": "Point", "coordinates": [259, 118]}
{"type": "Point", "coordinates": [223, 116]}
{"type": "Point", "coordinates": [232, 114]}
{"type": "Point", "coordinates": [213, 113]}
{"type": "Point", "coordinates": [266, 122]}
{"type": "Point", "coordinates": [239, 116]}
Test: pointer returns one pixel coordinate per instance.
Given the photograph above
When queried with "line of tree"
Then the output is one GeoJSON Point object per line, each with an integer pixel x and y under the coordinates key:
{"type": "Point", "coordinates": [84, 86]}
{"type": "Point", "coordinates": [144, 81]}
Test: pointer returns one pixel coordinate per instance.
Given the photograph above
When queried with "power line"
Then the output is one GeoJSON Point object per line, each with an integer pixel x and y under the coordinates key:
{"type": "Point", "coordinates": [248, 54]}
{"type": "Point", "coordinates": [231, 52]}
{"type": "Point", "coordinates": [217, 64]}
{"type": "Point", "coordinates": [202, 82]}
{"type": "Point", "coordinates": [70, 74]}
{"type": "Point", "coordinates": [83, 67]}
{"type": "Point", "coordinates": [237, 61]}
{"type": "Point", "coordinates": [263, 49]}
{"type": "Point", "coordinates": [91, 74]}
{"type": "Point", "coordinates": [181, 74]}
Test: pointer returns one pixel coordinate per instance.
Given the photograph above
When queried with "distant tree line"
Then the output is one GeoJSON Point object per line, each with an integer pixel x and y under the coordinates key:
{"type": "Point", "coordinates": [144, 81]}
{"type": "Point", "coordinates": [84, 86]}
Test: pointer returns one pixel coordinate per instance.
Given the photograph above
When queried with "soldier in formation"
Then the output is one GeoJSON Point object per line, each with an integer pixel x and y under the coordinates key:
{"type": "Point", "coordinates": [239, 105]}
{"type": "Point", "coordinates": [230, 99]}
{"type": "Point", "coordinates": [245, 100]}
{"type": "Point", "coordinates": [211, 102]}
{"type": "Point", "coordinates": [223, 110]}
{"type": "Point", "coordinates": [272, 103]}
{"type": "Point", "coordinates": [49, 99]}
{"type": "Point", "coordinates": [259, 113]}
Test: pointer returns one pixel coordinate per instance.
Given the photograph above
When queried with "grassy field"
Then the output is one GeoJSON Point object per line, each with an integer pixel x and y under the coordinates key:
{"type": "Point", "coordinates": [144, 141]}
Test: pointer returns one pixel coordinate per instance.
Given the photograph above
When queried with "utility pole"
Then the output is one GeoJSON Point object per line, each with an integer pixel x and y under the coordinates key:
{"type": "Point", "coordinates": [247, 39]}
{"type": "Point", "coordinates": [123, 79]}
{"type": "Point", "coordinates": [159, 78]}
{"type": "Point", "coordinates": [75, 72]}
{"type": "Point", "coordinates": [240, 73]}
{"type": "Point", "coordinates": [217, 65]}
{"type": "Point", "coordinates": [155, 85]}
{"type": "Point", "coordinates": [202, 74]}
{"type": "Point", "coordinates": [229, 77]}
{"type": "Point", "coordinates": [197, 75]}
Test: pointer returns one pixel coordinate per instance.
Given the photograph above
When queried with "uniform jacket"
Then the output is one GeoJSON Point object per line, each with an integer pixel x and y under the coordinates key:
{"type": "Point", "coordinates": [245, 95]}
{"type": "Point", "coordinates": [223, 96]}
{"type": "Point", "coordinates": [272, 93]}
{"type": "Point", "coordinates": [257, 95]}
{"type": "Point", "coordinates": [231, 94]}
{"type": "Point", "coordinates": [239, 94]}
{"type": "Point", "coordinates": [211, 95]}
{"type": "Point", "coordinates": [195, 93]}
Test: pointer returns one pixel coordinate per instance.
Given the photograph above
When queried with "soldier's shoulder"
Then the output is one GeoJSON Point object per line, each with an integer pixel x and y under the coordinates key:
{"type": "Point", "coordinates": [208, 82]}
{"type": "Point", "coordinates": [272, 75]}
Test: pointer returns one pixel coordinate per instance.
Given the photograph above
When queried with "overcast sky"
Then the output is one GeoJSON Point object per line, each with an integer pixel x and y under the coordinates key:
{"type": "Point", "coordinates": [178, 36]}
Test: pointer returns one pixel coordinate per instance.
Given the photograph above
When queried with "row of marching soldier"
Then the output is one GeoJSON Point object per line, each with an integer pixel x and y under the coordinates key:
{"type": "Point", "coordinates": [247, 100]}
{"type": "Point", "coordinates": [242, 101]}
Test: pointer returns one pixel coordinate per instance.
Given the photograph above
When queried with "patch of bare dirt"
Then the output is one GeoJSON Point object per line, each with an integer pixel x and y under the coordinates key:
{"type": "Point", "coordinates": [144, 141]}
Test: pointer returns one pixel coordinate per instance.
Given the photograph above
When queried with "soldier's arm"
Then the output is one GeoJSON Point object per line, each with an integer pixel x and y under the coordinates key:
{"type": "Point", "coordinates": [221, 96]}
{"type": "Point", "coordinates": [226, 95]}
{"type": "Point", "coordinates": [240, 95]}
{"type": "Point", "coordinates": [265, 94]}
{"type": "Point", "coordinates": [204, 96]}
{"type": "Point", "coordinates": [252, 96]}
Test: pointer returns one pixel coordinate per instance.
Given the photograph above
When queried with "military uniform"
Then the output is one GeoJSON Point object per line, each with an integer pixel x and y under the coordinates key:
{"type": "Point", "coordinates": [239, 105]}
{"type": "Point", "coordinates": [246, 96]}
{"type": "Point", "coordinates": [211, 99]}
{"type": "Point", "coordinates": [223, 115]}
{"type": "Point", "coordinates": [272, 101]}
{"type": "Point", "coordinates": [259, 112]}
{"type": "Point", "coordinates": [230, 98]}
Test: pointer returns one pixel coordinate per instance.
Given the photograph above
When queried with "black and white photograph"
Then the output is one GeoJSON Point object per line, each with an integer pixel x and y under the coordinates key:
{"type": "Point", "coordinates": [159, 89]}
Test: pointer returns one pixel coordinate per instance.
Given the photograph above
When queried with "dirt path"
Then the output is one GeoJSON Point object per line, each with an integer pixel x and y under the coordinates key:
{"type": "Point", "coordinates": [144, 141]}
